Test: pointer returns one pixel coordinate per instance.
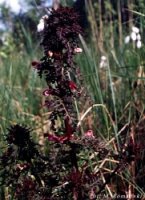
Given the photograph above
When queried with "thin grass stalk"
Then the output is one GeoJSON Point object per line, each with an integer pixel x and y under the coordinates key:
{"type": "Point", "coordinates": [119, 22]}
{"type": "Point", "coordinates": [111, 28]}
{"type": "Point", "coordinates": [128, 180]}
{"type": "Point", "coordinates": [130, 13]}
{"type": "Point", "coordinates": [101, 37]}
{"type": "Point", "coordinates": [132, 167]}
{"type": "Point", "coordinates": [114, 104]}
{"type": "Point", "coordinates": [93, 23]}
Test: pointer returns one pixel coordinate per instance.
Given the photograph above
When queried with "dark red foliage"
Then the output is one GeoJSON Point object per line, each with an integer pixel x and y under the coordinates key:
{"type": "Point", "coordinates": [59, 139]}
{"type": "Point", "coordinates": [61, 32]}
{"type": "Point", "coordinates": [60, 42]}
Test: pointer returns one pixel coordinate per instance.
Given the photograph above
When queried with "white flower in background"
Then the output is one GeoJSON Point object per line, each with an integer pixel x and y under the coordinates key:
{"type": "Point", "coordinates": [138, 44]}
{"type": "Point", "coordinates": [127, 39]}
{"type": "Point", "coordinates": [135, 37]}
{"type": "Point", "coordinates": [44, 17]}
{"type": "Point", "coordinates": [103, 62]}
{"type": "Point", "coordinates": [40, 26]}
{"type": "Point", "coordinates": [135, 29]}
{"type": "Point", "coordinates": [138, 37]}
{"type": "Point", "coordinates": [103, 58]}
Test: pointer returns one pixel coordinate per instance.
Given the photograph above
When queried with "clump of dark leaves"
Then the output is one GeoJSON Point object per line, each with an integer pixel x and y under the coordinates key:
{"type": "Point", "coordinates": [60, 43]}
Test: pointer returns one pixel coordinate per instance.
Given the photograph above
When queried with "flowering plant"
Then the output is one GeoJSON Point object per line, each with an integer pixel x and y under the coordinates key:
{"type": "Point", "coordinates": [62, 173]}
{"type": "Point", "coordinates": [135, 37]}
{"type": "Point", "coordinates": [60, 42]}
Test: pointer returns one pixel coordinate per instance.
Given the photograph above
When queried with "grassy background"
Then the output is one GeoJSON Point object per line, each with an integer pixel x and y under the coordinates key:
{"type": "Point", "coordinates": [117, 90]}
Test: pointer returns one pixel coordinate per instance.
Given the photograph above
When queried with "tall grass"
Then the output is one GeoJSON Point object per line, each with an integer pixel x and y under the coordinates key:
{"type": "Point", "coordinates": [118, 88]}
{"type": "Point", "coordinates": [20, 90]}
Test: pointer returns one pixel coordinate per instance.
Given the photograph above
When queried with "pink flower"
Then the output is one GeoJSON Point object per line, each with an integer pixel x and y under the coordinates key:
{"type": "Point", "coordinates": [50, 53]}
{"type": "Point", "coordinates": [47, 92]}
{"type": "Point", "coordinates": [78, 50]}
{"type": "Point", "coordinates": [72, 85]}
{"type": "Point", "coordinates": [89, 134]}
{"type": "Point", "coordinates": [22, 166]}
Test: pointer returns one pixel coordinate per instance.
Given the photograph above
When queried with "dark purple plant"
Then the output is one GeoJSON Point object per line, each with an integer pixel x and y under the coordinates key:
{"type": "Point", "coordinates": [60, 44]}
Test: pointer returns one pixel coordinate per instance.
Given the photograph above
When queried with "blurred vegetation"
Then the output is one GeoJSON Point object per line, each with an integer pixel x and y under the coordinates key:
{"type": "Point", "coordinates": [117, 89]}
